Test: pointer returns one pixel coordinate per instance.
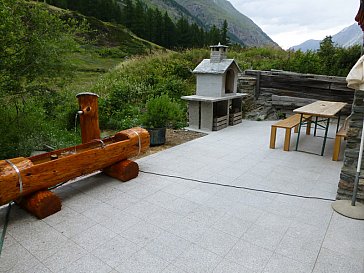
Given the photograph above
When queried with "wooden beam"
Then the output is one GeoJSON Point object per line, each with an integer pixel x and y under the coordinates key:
{"type": "Point", "coordinates": [124, 170]}
{"type": "Point", "coordinates": [41, 204]}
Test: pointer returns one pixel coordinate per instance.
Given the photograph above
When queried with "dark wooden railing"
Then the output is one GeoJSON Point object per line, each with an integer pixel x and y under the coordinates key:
{"type": "Point", "coordinates": [319, 87]}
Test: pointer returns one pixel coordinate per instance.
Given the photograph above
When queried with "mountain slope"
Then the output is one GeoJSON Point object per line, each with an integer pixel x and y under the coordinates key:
{"type": "Point", "coordinates": [349, 36]}
{"type": "Point", "coordinates": [307, 45]}
{"type": "Point", "coordinates": [110, 38]}
{"type": "Point", "coordinates": [213, 12]}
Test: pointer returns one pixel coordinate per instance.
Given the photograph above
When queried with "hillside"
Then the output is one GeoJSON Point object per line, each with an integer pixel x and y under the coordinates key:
{"type": "Point", "coordinates": [349, 36]}
{"type": "Point", "coordinates": [105, 45]}
{"type": "Point", "coordinates": [108, 37]}
{"type": "Point", "coordinates": [207, 13]}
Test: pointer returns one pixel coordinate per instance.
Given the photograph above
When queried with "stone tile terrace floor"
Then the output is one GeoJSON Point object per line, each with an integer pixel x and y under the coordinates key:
{"type": "Point", "coordinates": [163, 224]}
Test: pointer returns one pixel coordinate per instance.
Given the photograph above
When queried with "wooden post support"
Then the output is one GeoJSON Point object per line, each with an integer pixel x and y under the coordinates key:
{"type": "Point", "coordinates": [287, 139]}
{"type": "Point", "coordinates": [41, 203]}
{"type": "Point", "coordinates": [273, 134]}
{"type": "Point", "coordinates": [124, 170]}
{"type": "Point", "coordinates": [89, 117]}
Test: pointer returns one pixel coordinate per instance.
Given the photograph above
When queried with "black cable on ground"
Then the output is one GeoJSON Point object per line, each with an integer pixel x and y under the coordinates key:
{"type": "Point", "coordinates": [6, 222]}
{"type": "Point", "coordinates": [239, 187]}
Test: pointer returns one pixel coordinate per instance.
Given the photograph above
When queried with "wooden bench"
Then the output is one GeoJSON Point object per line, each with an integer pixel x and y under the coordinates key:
{"type": "Point", "coordinates": [341, 134]}
{"type": "Point", "coordinates": [288, 123]}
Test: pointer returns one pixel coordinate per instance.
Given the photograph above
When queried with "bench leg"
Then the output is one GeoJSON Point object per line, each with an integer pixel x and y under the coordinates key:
{"type": "Point", "coordinates": [335, 155]}
{"type": "Point", "coordinates": [273, 133]}
{"type": "Point", "coordinates": [308, 128]}
{"type": "Point", "coordinates": [287, 139]}
{"type": "Point", "coordinates": [296, 128]}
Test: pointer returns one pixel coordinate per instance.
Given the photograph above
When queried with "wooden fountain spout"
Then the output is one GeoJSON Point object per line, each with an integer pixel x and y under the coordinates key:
{"type": "Point", "coordinates": [89, 116]}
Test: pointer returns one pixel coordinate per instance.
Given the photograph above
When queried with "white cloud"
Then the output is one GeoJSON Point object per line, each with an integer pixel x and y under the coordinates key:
{"type": "Point", "coordinates": [292, 22]}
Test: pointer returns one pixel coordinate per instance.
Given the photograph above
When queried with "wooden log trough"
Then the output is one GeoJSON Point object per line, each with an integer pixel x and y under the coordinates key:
{"type": "Point", "coordinates": [40, 172]}
{"type": "Point", "coordinates": [27, 180]}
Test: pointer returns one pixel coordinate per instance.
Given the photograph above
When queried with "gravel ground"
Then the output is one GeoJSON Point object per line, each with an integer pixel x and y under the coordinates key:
{"type": "Point", "coordinates": [173, 138]}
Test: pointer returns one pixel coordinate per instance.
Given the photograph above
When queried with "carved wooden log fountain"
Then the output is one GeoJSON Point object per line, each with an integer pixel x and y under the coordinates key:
{"type": "Point", "coordinates": [27, 180]}
{"type": "Point", "coordinates": [89, 116]}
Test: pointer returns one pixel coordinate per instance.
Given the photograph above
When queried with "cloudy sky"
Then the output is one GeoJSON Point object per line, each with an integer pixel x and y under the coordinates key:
{"type": "Point", "coordinates": [292, 22]}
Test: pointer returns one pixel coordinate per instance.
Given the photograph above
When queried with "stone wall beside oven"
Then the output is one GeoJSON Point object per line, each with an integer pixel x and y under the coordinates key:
{"type": "Point", "coordinates": [348, 171]}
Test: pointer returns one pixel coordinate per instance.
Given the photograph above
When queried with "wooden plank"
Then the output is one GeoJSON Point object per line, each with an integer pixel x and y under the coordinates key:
{"type": "Point", "coordinates": [220, 119]}
{"type": "Point", "coordinates": [312, 94]}
{"type": "Point", "coordinates": [250, 72]}
{"type": "Point", "coordinates": [279, 81]}
{"type": "Point", "coordinates": [320, 87]}
{"type": "Point", "coordinates": [217, 124]}
{"type": "Point", "coordinates": [235, 122]}
{"type": "Point", "coordinates": [290, 122]}
{"type": "Point", "coordinates": [341, 87]}
{"type": "Point", "coordinates": [326, 109]}
{"type": "Point", "coordinates": [217, 128]}
{"type": "Point", "coordinates": [235, 118]}
{"type": "Point", "coordinates": [238, 114]}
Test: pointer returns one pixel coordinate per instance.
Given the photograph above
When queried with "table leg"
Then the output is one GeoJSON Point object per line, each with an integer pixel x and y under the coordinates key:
{"type": "Point", "coordinates": [326, 130]}
{"type": "Point", "coordinates": [316, 119]}
{"type": "Point", "coordinates": [299, 131]}
{"type": "Point", "coordinates": [338, 123]}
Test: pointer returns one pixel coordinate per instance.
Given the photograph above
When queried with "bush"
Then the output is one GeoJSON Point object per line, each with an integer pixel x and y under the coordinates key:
{"type": "Point", "coordinates": [125, 90]}
{"type": "Point", "coordinates": [120, 119]}
{"type": "Point", "coordinates": [161, 112]}
{"type": "Point", "coordinates": [29, 128]}
{"type": "Point", "coordinates": [114, 52]}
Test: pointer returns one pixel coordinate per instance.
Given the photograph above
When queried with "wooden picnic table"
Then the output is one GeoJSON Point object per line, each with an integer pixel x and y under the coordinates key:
{"type": "Point", "coordinates": [320, 109]}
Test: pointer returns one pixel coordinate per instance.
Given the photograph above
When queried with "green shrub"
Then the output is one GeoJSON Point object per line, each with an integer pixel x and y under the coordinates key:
{"type": "Point", "coordinates": [162, 112]}
{"type": "Point", "coordinates": [120, 119]}
{"type": "Point", "coordinates": [174, 87]}
{"type": "Point", "coordinates": [113, 52]}
{"type": "Point", "coordinates": [26, 127]}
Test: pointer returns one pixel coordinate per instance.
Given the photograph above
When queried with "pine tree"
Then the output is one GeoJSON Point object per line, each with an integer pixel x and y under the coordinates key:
{"type": "Point", "coordinates": [214, 35]}
{"type": "Point", "coordinates": [149, 25]}
{"type": "Point", "coordinates": [195, 36]}
{"type": "Point", "coordinates": [58, 3]}
{"type": "Point", "coordinates": [169, 32]}
{"type": "Point", "coordinates": [138, 26]}
{"type": "Point", "coordinates": [157, 25]}
{"type": "Point", "coordinates": [183, 33]}
{"type": "Point", "coordinates": [128, 13]}
{"type": "Point", "coordinates": [224, 30]}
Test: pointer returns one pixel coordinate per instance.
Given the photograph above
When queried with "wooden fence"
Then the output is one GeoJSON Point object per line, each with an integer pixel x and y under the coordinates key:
{"type": "Point", "coordinates": [309, 86]}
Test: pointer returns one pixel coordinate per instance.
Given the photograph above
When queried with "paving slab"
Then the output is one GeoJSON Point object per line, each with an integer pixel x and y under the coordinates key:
{"type": "Point", "coordinates": [228, 204]}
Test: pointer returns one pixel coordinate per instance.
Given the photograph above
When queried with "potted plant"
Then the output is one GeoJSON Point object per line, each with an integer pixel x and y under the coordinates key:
{"type": "Point", "coordinates": [161, 112]}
